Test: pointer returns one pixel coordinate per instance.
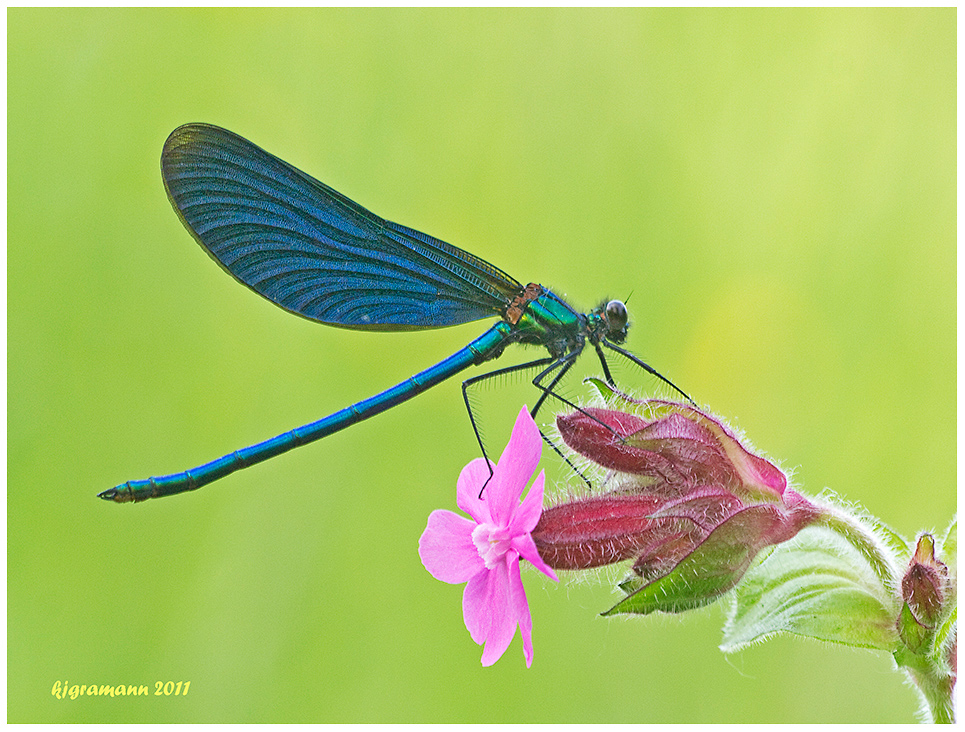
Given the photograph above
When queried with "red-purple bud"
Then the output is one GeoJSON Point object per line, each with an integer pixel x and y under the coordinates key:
{"type": "Point", "coordinates": [685, 490]}
{"type": "Point", "coordinates": [923, 589]}
{"type": "Point", "coordinates": [604, 529]}
{"type": "Point", "coordinates": [680, 445]}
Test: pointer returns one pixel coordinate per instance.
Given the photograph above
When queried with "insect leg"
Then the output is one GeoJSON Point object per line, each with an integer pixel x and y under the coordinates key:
{"type": "Point", "coordinates": [646, 367]}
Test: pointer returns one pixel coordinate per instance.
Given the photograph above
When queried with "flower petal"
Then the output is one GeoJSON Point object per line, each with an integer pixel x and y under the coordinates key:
{"type": "Point", "coordinates": [527, 550]}
{"type": "Point", "coordinates": [502, 617]}
{"type": "Point", "coordinates": [471, 480]}
{"type": "Point", "coordinates": [520, 611]}
{"type": "Point", "coordinates": [517, 463]}
{"type": "Point", "coordinates": [526, 515]}
{"type": "Point", "coordinates": [475, 607]}
{"type": "Point", "coordinates": [446, 548]}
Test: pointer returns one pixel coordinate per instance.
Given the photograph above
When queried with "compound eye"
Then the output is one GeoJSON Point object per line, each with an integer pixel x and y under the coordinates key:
{"type": "Point", "coordinates": [616, 315]}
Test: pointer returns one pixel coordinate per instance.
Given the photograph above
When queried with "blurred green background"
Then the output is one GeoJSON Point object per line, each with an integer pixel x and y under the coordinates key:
{"type": "Point", "coordinates": [773, 190]}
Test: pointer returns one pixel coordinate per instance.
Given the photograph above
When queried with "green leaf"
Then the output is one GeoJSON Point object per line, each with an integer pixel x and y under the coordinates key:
{"type": "Point", "coordinates": [913, 633]}
{"type": "Point", "coordinates": [819, 585]}
{"type": "Point", "coordinates": [603, 389]}
{"type": "Point", "coordinates": [693, 583]}
{"type": "Point", "coordinates": [709, 571]}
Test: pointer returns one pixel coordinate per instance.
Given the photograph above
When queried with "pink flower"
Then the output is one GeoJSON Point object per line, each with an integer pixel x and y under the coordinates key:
{"type": "Point", "coordinates": [485, 551]}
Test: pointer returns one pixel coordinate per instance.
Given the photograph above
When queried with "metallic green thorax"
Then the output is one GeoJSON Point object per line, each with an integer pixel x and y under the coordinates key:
{"type": "Point", "coordinates": [546, 320]}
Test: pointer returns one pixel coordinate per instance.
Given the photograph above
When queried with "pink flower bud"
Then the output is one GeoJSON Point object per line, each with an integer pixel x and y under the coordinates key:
{"type": "Point", "coordinates": [688, 503]}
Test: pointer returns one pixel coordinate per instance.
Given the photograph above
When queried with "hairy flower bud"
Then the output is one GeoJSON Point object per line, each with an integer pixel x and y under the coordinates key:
{"type": "Point", "coordinates": [688, 503]}
{"type": "Point", "coordinates": [923, 589]}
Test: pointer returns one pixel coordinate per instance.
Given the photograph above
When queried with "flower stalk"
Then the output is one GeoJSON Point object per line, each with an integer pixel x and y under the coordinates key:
{"type": "Point", "coordinates": [696, 515]}
{"type": "Point", "coordinates": [928, 647]}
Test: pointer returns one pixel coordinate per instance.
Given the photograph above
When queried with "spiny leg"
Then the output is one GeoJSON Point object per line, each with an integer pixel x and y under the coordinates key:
{"type": "Point", "coordinates": [472, 418]}
{"type": "Point", "coordinates": [645, 366]}
{"type": "Point", "coordinates": [563, 363]}
{"type": "Point", "coordinates": [553, 364]}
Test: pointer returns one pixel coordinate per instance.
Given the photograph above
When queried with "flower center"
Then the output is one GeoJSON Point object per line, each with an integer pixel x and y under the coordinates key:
{"type": "Point", "coordinates": [492, 543]}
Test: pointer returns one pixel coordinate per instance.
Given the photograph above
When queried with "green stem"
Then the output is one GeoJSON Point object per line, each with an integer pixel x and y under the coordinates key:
{"type": "Point", "coordinates": [866, 542]}
{"type": "Point", "coordinates": [931, 674]}
{"type": "Point", "coordinates": [935, 683]}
